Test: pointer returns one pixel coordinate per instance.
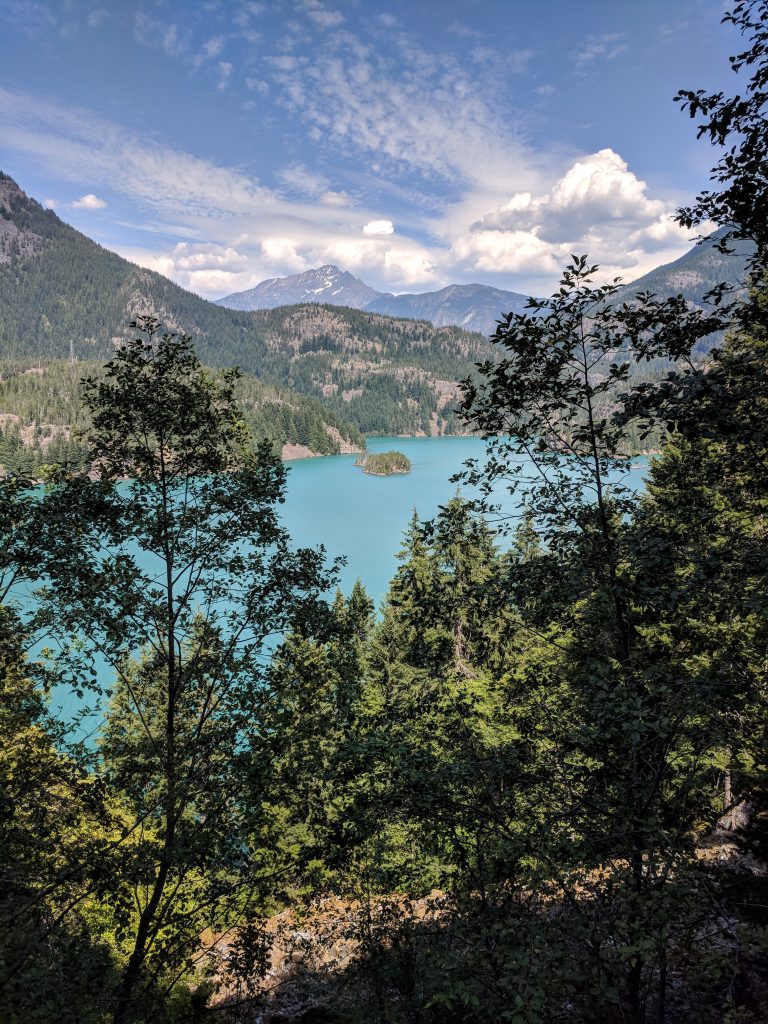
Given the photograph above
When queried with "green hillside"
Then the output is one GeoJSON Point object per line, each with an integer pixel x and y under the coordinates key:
{"type": "Point", "coordinates": [41, 417]}
{"type": "Point", "coordinates": [63, 295]}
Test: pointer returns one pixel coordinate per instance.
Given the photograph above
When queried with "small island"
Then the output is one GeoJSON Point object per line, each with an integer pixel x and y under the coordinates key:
{"type": "Point", "coordinates": [384, 463]}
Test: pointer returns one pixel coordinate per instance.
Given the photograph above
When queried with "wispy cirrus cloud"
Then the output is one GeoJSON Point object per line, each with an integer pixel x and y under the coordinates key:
{"type": "Point", "coordinates": [434, 118]}
{"type": "Point", "coordinates": [165, 35]}
{"type": "Point", "coordinates": [89, 149]}
{"type": "Point", "coordinates": [599, 48]}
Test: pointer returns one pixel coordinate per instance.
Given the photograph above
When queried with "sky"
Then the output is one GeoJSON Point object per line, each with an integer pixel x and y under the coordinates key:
{"type": "Point", "coordinates": [414, 143]}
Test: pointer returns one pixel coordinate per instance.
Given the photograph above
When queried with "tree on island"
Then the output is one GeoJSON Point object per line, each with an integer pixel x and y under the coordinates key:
{"type": "Point", "coordinates": [384, 463]}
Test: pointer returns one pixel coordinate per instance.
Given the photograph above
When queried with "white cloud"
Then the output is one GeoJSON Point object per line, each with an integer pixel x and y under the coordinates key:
{"type": "Point", "coordinates": [596, 48]}
{"type": "Point", "coordinates": [508, 252]}
{"type": "Point", "coordinates": [435, 119]}
{"type": "Point", "coordinates": [281, 253]}
{"type": "Point", "coordinates": [379, 227]}
{"type": "Point", "coordinates": [597, 206]}
{"type": "Point", "coordinates": [81, 146]}
{"type": "Point", "coordinates": [299, 177]}
{"type": "Point", "coordinates": [162, 35]}
{"type": "Point", "coordinates": [216, 229]}
{"type": "Point", "coordinates": [202, 256]}
{"type": "Point", "coordinates": [596, 190]}
{"type": "Point", "coordinates": [89, 202]}
{"type": "Point", "coordinates": [50, 204]}
{"type": "Point", "coordinates": [338, 199]}
{"type": "Point", "coordinates": [402, 264]}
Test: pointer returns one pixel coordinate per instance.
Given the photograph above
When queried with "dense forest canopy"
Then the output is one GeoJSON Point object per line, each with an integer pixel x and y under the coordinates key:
{"type": "Point", "coordinates": [43, 421]}
{"type": "Point", "coordinates": [533, 789]}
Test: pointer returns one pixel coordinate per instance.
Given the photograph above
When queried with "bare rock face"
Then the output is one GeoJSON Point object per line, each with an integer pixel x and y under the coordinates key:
{"type": "Point", "coordinates": [15, 242]}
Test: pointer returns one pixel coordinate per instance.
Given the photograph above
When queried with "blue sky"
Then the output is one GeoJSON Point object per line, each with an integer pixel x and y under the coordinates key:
{"type": "Point", "coordinates": [415, 143]}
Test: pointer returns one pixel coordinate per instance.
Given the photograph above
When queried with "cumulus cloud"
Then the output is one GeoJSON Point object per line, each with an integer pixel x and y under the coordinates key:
{"type": "Point", "coordinates": [595, 191]}
{"type": "Point", "coordinates": [50, 204]}
{"type": "Point", "coordinates": [379, 227]}
{"type": "Point", "coordinates": [89, 202]}
{"type": "Point", "coordinates": [509, 252]}
{"type": "Point", "coordinates": [402, 263]}
{"type": "Point", "coordinates": [281, 253]}
{"type": "Point", "coordinates": [209, 270]}
{"type": "Point", "coordinates": [598, 206]}
{"type": "Point", "coordinates": [202, 256]}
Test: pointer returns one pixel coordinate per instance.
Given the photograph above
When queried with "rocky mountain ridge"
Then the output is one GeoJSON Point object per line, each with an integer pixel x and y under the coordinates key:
{"type": "Point", "coordinates": [478, 307]}
{"type": "Point", "coordinates": [474, 307]}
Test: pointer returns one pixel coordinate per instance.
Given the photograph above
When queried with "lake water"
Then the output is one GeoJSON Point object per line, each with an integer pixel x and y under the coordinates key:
{"type": "Point", "coordinates": [332, 502]}
{"type": "Point", "coordinates": [329, 501]}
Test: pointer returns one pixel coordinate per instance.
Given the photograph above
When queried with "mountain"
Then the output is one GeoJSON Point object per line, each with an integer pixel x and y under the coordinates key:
{"type": "Point", "coordinates": [63, 296]}
{"type": "Point", "coordinates": [325, 285]}
{"type": "Point", "coordinates": [695, 272]}
{"type": "Point", "coordinates": [475, 307]}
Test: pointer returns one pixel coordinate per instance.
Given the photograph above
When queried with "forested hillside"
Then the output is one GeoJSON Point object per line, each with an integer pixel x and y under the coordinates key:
{"type": "Point", "coordinates": [61, 295]}
{"type": "Point", "coordinates": [42, 420]}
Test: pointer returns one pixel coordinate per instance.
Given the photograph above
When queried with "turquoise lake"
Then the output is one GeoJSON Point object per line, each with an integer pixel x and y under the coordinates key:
{"type": "Point", "coordinates": [332, 502]}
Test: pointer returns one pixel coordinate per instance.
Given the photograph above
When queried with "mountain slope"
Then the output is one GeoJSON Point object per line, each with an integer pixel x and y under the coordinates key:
{"type": "Point", "coordinates": [62, 294]}
{"type": "Point", "coordinates": [41, 417]}
{"type": "Point", "coordinates": [325, 285]}
{"type": "Point", "coordinates": [475, 307]}
{"type": "Point", "coordinates": [695, 272]}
